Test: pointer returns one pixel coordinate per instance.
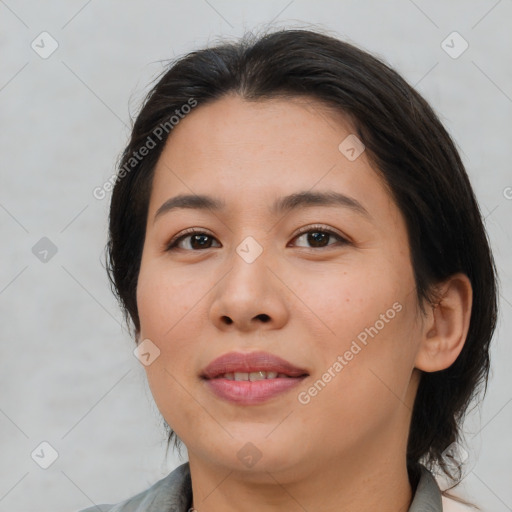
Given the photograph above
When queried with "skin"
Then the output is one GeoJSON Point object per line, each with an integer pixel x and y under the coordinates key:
{"type": "Point", "coordinates": [345, 449]}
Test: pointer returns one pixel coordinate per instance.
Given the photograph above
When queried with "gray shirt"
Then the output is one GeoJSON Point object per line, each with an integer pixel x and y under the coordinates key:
{"type": "Point", "coordinates": [174, 494]}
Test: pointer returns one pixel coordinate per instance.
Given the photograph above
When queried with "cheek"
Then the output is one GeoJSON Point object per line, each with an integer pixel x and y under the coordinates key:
{"type": "Point", "coordinates": [366, 332]}
{"type": "Point", "coordinates": [343, 304]}
{"type": "Point", "coordinates": [165, 302]}
{"type": "Point", "coordinates": [165, 297]}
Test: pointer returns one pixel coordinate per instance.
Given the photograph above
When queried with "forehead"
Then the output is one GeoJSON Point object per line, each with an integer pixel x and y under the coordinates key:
{"type": "Point", "coordinates": [232, 124]}
{"type": "Point", "coordinates": [243, 151]}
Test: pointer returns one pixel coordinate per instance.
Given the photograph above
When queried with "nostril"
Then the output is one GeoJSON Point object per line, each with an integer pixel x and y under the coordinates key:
{"type": "Point", "coordinates": [264, 317]}
{"type": "Point", "coordinates": [227, 320]}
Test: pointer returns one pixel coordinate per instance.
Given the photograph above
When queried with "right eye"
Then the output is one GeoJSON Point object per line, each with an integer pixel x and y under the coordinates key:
{"type": "Point", "coordinates": [196, 240]}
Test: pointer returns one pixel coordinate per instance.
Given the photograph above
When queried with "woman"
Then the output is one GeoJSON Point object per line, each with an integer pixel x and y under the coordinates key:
{"type": "Point", "coordinates": [296, 242]}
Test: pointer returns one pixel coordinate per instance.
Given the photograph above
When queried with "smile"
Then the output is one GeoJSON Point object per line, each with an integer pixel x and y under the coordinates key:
{"type": "Point", "coordinates": [253, 376]}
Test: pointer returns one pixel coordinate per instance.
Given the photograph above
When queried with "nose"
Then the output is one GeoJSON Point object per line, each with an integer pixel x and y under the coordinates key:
{"type": "Point", "coordinates": [250, 296]}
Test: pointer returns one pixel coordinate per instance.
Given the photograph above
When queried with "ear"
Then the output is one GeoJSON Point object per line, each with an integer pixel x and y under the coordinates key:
{"type": "Point", "coordinates": [446, 326]}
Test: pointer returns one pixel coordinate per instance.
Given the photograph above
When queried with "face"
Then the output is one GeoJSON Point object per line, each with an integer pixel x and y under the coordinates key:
{"type": "Point", "coordinates": [325, 286]}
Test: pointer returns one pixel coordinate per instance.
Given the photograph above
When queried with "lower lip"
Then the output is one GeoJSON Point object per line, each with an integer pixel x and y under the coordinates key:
{"type": "Point", "coordinates": [251, 393]}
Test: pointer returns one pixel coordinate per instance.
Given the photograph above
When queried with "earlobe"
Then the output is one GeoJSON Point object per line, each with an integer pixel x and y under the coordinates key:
{"type": "Point", "coordinates": [447, 326]}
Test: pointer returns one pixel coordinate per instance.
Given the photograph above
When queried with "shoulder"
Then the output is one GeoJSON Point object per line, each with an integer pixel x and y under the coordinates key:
{"type": "Point", "coordinates": [174, 490]}
{"type": "Point", "coordinates": [450, 505]}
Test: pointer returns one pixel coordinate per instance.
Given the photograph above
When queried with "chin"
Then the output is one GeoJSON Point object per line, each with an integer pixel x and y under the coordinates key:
{"type": "Point", "coordinates": [252, 453]}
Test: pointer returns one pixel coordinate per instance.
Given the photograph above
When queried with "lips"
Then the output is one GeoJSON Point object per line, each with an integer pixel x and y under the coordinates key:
{"type": "Point", "coordinates": [254, 363]}
{"type": "Point", "coordinates": [250, 379]}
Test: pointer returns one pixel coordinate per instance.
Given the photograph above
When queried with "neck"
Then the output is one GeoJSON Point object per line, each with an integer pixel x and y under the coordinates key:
{"type": "Point", "coordinates": [379, 482]}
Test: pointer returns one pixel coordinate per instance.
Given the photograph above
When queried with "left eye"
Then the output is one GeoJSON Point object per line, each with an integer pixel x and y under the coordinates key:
{"type": "Point", "coordinates": [318, 238]}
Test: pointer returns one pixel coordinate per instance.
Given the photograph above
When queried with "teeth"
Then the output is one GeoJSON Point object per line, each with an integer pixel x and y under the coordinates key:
{"type": "Point", "coordinates": [252, 376]}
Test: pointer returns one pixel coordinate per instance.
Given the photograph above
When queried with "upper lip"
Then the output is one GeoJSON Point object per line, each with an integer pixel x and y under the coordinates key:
{"type": "Point", "coordinates": [250, 362]}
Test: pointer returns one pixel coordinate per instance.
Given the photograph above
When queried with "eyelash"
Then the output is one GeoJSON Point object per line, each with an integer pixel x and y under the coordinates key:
{"type": "Point", "coordinates": [172, 245]}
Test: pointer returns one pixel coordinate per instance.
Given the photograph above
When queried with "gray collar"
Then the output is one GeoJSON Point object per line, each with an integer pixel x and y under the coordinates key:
{"type": "Point", "coordinates": [427, 497]}
{"type": "Point", "coordinates": [174, 494]}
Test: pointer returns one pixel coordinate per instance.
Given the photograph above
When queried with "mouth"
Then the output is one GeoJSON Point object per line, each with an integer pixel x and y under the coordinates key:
{"type": "Point", "coordinates": [251, 367]}
{"type": "Point", "coordinates": [251, 378]}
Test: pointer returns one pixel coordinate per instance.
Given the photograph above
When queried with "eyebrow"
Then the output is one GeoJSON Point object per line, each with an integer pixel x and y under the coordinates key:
{"type": "Point", "coordinates": [282, 205]}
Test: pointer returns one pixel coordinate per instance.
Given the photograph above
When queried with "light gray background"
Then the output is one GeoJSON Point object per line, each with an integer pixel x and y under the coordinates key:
{"type": "Point", "coordinates": [68, 375]}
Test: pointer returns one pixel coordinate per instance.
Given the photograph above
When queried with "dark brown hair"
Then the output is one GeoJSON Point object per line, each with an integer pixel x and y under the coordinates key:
{"type": "Point", "coordinates": [406, 143]}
